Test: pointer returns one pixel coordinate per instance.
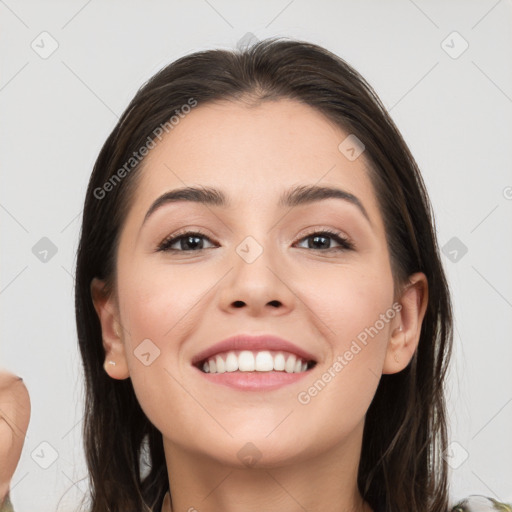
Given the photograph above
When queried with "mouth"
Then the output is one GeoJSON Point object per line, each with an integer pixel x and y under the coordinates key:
{"type": "Point", "coordinates": [255, 361]}
{"type": "Point", "coordinates": [248, 362]}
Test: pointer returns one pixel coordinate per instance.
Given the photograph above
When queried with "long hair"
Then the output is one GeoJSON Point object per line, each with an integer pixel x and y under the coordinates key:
{"type": "Point", "coordinates": [405, 432]}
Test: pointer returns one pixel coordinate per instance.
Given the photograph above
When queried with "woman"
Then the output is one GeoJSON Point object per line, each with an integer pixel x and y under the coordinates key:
{"type": "Point", "coordinates": [262, 312]}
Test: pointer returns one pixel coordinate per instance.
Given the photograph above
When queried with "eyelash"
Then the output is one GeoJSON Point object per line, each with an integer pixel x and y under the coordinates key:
{"type": "Point", "coordinates": [345, 243]}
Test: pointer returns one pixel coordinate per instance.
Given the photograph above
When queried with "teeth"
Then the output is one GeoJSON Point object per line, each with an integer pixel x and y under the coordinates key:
{"type": "Point", "coordinates": [219, 363]}
{"type": "Point", "coordinates": [246, 361]}
{"type": "Point", "coordinates": [290, 364]}
{"type": "Point", "coordinates": [262, 361]}
{"type": "Point", "coordinates": [279, 362]}
{"type": "Point", "coordinates": [231, 362]}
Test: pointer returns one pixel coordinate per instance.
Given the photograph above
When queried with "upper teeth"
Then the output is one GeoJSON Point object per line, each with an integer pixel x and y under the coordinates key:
{"type": "Point", "coordinates": [260, 361]}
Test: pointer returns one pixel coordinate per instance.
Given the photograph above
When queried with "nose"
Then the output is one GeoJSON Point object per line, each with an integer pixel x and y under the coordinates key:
{"type": "Point", "coordinates": [258, 282]}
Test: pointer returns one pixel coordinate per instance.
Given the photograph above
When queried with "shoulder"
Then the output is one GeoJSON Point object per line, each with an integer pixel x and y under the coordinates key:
{"type": "Point", "coordinates": [477, 503]}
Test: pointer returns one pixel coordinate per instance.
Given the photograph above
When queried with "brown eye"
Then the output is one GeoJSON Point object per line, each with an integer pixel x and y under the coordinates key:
{"type": "Point", "coordinates": [322, 240]}
{"type": "Point", "coordinates": [190, 241]}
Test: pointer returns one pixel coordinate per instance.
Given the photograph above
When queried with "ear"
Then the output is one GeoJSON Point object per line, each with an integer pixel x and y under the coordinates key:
{"type": "Point", "coordinates": [407, 329]}
{"type": "Point", "coordinates": [115, 363]}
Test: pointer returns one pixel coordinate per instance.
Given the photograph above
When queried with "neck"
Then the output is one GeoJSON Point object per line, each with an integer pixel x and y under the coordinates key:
{"type": "Point", "coordinates": [327, 481]}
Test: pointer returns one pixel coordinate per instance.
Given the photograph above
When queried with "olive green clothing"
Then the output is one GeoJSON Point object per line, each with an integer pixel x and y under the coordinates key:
{"type": "Point", "coordinates": [477, 503]}
{"type": "Point", "coordinates": [6, 506]}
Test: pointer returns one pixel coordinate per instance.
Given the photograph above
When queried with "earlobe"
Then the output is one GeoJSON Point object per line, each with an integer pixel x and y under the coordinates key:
{"type": "Point", "coordinates": [406, 331]}
{"type": "Point", "coordinates": [115, 363]}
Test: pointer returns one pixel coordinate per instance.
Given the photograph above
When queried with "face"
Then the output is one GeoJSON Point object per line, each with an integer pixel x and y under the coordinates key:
{"type": "Point", "coordinates": [315, 273]}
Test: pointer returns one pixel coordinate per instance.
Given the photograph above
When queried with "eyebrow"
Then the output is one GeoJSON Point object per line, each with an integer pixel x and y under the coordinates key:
{"type": "Point", "coordinates": [297, 196]}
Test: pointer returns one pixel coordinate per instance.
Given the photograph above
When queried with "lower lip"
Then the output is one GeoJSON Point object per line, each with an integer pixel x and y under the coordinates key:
{"type": "Point", "coordinates": [254, 381]}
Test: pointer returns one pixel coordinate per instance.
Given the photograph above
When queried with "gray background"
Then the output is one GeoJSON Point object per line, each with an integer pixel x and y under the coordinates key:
{"type": "Point", "coordinates": [454, 110]}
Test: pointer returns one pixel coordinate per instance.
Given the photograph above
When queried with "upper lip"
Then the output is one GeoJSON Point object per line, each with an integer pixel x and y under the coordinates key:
{"type": "Point", "coordinates": [250, 342]}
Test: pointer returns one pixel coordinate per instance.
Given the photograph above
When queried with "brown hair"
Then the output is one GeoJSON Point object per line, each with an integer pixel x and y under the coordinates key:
{"type": "Point", "coordinates": [405, 433]}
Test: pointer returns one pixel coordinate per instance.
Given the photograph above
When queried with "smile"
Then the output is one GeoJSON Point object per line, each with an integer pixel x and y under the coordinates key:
{"type": "Point", "coordinates": [248, 362]}
{"type": "Point", "coordinates": [255, 361]}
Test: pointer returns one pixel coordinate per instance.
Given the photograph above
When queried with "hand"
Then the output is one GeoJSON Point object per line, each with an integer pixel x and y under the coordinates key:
{"type": "Point", "coordinates": [14, 420]}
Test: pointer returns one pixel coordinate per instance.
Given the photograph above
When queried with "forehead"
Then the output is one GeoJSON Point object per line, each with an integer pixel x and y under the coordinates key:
{"type": "Point", "coordinates": [253, 153]}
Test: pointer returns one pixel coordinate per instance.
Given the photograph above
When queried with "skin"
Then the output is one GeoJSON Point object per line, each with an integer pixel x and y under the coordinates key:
{"type": "Point", "coordinates": [186, 301]}
{"type": "Point", "coordinates": [14, 420]}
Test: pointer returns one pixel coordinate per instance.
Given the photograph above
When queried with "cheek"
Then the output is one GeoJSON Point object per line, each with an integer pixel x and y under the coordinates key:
{"type": "Point", "coordinates": [339, 394]}
{"type": "Point", "coordinates": [352, 308]}
{"type": "Point", "coordinates": [158, 308]}
{"type": "Point", "coordinates": [156, 302]}
{"type": "Point", "coordinates": [349, 301]}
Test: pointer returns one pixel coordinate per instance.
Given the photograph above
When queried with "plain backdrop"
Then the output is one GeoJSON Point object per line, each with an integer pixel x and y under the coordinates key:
{"type": "Point", "coordinates": [69, 68]}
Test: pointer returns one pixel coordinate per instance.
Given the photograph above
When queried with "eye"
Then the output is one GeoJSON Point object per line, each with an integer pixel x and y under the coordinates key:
{"type": "Point", "coordinates": [188, 241]}
{"type": "Point", "coordinates": [193, 241]}
{"type": "Point", "coordinates": [321, 240]}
